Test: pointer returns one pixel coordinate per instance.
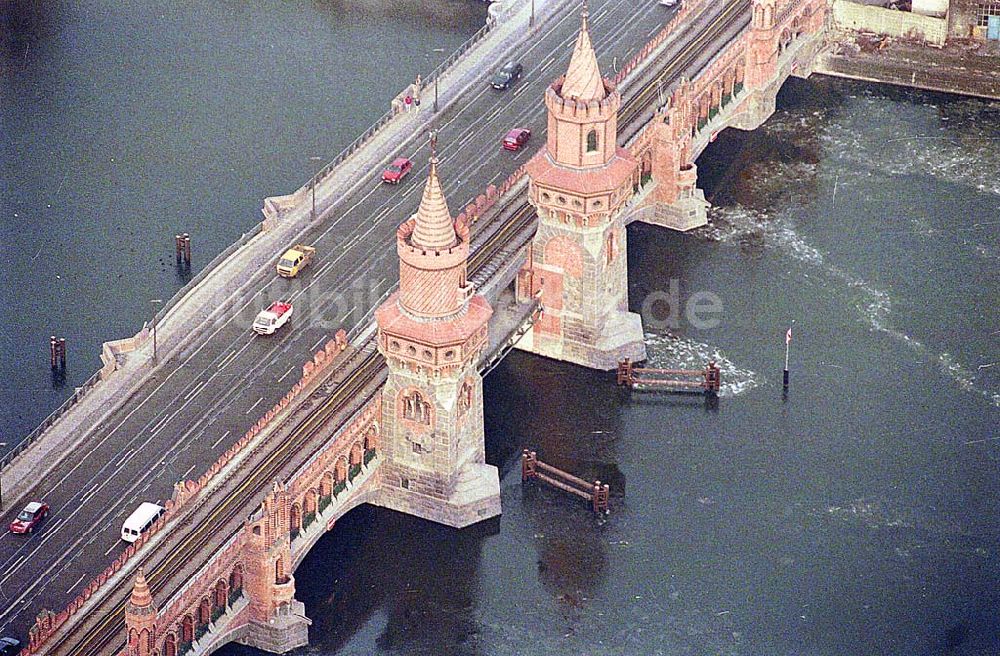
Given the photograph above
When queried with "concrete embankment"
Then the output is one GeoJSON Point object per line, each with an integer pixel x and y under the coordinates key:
{"type": "Point", "coordinates": [965, 68]}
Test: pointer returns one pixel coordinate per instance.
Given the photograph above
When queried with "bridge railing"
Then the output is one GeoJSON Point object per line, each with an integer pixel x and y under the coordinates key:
{"type": "Point", "coordinates": [78, 394]}
{"type": "Point", "coordinates": [387, 117]}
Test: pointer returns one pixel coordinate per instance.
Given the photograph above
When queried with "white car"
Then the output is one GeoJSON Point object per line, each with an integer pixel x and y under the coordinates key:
{"type": "Point", "coordinates": [670, 3]}
{"type": "Point", "coordinates": [273, 317]}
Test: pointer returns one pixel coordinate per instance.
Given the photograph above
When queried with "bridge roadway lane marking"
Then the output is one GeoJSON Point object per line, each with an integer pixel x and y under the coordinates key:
{"type": "Point", "coordinates": [523, 88]}
{"type": "Point", "coordinates": [303, 430]}
{"type": "Point", "coordinates": [49, 534]}
{"type": "Point", "coordinates": [224, 435]}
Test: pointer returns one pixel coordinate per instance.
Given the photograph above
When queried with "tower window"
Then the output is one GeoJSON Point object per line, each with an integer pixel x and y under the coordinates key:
{"type": "Point", "coordinates": [415, 408]}
{"type": "Point", "coordinates": [592, 141]}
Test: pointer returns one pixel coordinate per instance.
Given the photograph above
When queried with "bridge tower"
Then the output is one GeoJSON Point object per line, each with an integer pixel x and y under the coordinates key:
{"type": "Point", "coordinates": [579, 184]}
{"type": "Point", "coordinates": [432, 332]}
{"type": "Point", "coordinates": [277, 622]}
{"type": "Point", "coordinates": [140, 619]}
{"type": "Point", "coordinates": [762, 64]}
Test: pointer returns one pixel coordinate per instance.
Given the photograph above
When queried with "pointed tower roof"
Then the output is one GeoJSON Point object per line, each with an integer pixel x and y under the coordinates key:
{"type": "Point", "coordinates": [141, 596]}
{"type": "Point", "coordinates": [583, 77]}
{"type": "Point", "coordinates": [434, 229]}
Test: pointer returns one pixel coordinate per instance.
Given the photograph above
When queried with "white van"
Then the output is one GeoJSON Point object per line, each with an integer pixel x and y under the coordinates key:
{"type": "Point", "coordinates": [140, 520]}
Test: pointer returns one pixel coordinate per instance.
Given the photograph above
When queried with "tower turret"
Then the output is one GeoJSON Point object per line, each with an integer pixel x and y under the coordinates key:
{"type": "Point", "coordinates": [432, 332]}
{"type": "Point", "coordinates": [579, 184]}
{"type": "Point", "coordinates": [140, 618]}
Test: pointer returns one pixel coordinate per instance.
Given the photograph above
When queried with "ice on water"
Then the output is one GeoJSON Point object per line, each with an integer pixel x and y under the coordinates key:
{"type": "Point", "coordinates": [672, 352]}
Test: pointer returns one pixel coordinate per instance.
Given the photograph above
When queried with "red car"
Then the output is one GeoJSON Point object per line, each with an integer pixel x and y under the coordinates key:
{"type": "Point", "coordinates": [516, 138]}
{"type": "Point", "coordinates": [28, 518]}
{"type": "Point", "coordinates": [395, 171]}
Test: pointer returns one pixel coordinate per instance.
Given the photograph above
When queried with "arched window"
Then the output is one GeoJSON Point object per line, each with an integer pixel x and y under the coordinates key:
{"type": "Point", "coordinates": [592, 141]}
{"type": "Point", "coordinates": [170, 645]}
{"type": "Point", "coordinates": [415, 408]}
{"type": "Point", "coordinates": [465, 397]}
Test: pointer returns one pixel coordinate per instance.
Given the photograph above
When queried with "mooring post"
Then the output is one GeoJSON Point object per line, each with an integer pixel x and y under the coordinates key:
{"type": "Point", "coordinates": [52, 351]}
{"type": "Point", "coordinates": [187, 248]}
{"type": "Point", "coordinates": [625, 372]}
{"type": "Point", "coordinates": [178, 247]}
{"type": "Point", "coordinates": [62, 352]}
{"type": "Point", "coordinates": [528, 464]}
{"type": "Point", "coordinates": [600, 497]}
{"type": "Point", "coordinates": [713, 378]}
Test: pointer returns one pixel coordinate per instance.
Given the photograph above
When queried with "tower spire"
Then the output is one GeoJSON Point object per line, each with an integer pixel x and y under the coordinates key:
{"type": "Point", "coordinates": [141, 596]}
{"type": "Point", "coordinates": [434, 229]}
{"type": "Point", "coordinates": [583, 76]}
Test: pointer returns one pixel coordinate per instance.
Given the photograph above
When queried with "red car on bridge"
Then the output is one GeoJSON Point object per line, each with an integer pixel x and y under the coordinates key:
{"type": "Point", "coordinates": [397, 170]}
{"type": "Point", "coordinates": [28, 519]}
{"type": "Point", "coordinates": [516, 139]}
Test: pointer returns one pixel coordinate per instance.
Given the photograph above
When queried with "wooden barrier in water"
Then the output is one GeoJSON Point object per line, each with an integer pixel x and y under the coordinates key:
{"type": "Point", "coordinates": [596, 493]}
{"type": "Point", "coordinates": [707, 380]}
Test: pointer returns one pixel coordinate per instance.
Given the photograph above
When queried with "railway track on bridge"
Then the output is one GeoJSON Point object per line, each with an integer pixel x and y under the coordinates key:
{"type": "Point", "coordinates": [99, 638]}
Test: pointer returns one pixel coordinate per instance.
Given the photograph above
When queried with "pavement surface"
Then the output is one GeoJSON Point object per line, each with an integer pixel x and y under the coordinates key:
{"type": "Point", "coordinates": [215, 377]}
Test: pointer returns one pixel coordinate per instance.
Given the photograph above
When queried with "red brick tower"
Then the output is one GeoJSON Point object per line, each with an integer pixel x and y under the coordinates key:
{"type": "Point", "coordinates": [277, 620]}
{"type": "Point", "coordinates": [432, 332]}
{"type": "Point", "coordinates": [762, 64]}
{"type": "Point", "coordinates": [140, 619]}
{"type": "Point", "coordinates": [579, 183]}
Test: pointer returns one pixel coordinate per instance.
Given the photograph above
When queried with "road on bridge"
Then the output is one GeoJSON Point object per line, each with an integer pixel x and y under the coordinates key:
{"type": "Point", "coordinates": [207, 394]}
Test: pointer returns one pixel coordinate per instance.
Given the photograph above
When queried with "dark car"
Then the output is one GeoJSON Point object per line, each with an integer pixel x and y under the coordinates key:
{"type": "Point", "coordinates": [395, 172]}
{"type": "Point", "coordinates": [516, 138]}
{"type": "Point", "coordinates": [28, 519]}
{"type": "Point", "coordinates": [506, 76]}
{"type": "Point", "coordinates": [9, 646]}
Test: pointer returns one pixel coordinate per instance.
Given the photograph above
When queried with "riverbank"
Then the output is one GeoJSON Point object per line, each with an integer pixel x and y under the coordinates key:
{"type": "Point", "coordinates": [968, 68]}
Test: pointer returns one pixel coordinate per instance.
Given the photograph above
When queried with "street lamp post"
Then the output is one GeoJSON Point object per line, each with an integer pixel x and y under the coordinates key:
{"type": "Point", "coordinates": [531, 22]}
{"type": "Point", "coordinates": [155, 302]}
{"type": "Point", "coordinates": [436, 92]}
{"type": "Point", "coordinates": [313, 181]}
{"type": "Point", "coordinates": [2, 444]}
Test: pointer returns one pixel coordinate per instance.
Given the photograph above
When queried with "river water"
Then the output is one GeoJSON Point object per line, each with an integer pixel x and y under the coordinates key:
{"type": "Point", "coordinates": [856, 515]}
{"type": "Point", "coordinates": [126, 122]}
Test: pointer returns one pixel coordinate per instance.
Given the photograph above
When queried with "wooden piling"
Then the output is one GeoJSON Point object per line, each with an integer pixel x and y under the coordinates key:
{"type": "Point", "coordinates": [57, 352]}
{"type": "Point", "coordinates": [596, 493]}
{"type": "Point", "coordinates": [708, 380]}
{"type": "Point", "coordinates": [182, 248]}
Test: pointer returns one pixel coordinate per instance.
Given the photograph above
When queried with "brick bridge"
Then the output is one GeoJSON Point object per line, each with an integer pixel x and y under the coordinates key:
{"type": "Point", "coordinates": [396, 419]}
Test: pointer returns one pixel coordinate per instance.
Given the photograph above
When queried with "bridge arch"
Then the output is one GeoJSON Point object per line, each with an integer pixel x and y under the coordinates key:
{"type": "Point", "coordinates": [371, 437]}
{"type": "Point", "coordinates": [356, 454]}
{"type": "Point", "coordinates": [187, 628]}
{"type": "Point", "coordinates": [326, 484]}
{"type": "Point", "coordinates": [310, 503]}
{"type": "Point", "coordinates": [340, 470]}
{"type": "Point", "coordinates": [204, 612]}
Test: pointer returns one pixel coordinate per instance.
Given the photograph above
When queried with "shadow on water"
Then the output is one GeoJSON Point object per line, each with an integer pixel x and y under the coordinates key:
{"type": "Point", "coordinates": [380, 581]}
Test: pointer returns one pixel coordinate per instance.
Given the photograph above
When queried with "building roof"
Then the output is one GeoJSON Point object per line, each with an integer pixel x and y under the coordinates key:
{"type": "Point", "coordinates": [583, 77]}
